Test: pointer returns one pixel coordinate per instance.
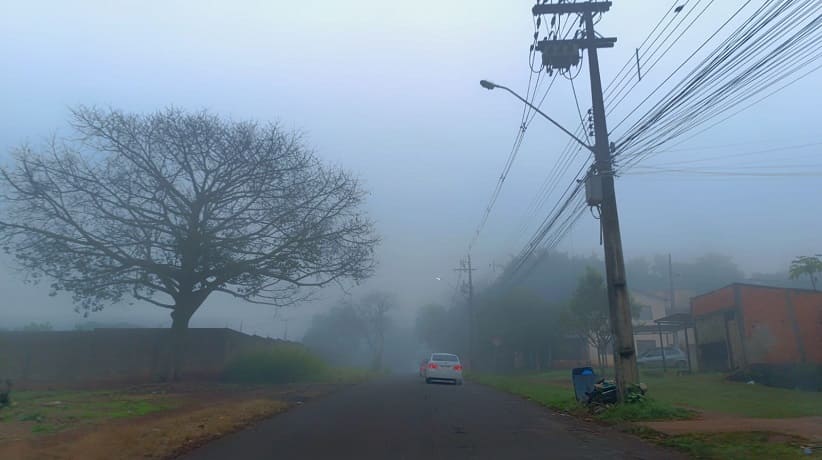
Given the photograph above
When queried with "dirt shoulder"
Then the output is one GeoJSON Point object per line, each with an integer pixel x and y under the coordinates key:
{"type": "Point", "coordinates": [147, 421]}
{"type": "Point", "coordinates": [809, 428]}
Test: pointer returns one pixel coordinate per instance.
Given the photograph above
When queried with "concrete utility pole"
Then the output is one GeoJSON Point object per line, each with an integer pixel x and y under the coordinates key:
{"type": "Point", "coordinates": [563, 54]}
{"type": "Point", "coordinates": [466, 267]}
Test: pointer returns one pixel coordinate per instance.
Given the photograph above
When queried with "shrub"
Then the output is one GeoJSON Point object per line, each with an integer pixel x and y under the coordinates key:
{"type": "Point", "coordinates": [282, 364]}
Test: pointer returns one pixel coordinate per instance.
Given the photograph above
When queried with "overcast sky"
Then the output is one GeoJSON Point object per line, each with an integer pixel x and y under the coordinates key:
{"type": "Point", "coordinates": [389, 90]}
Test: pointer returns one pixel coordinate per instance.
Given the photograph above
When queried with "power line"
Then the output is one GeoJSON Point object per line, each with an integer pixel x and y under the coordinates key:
{"type": "Point", "coordinates": [568, 153]}
{"type": "Point", "coordinates": [526, 119]}
{"type": "Point", "coordinates": [704, 43]}
{"type": "Point", "coordinates": [741, 67]}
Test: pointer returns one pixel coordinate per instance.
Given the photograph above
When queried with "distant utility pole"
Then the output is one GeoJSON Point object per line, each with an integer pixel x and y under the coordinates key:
{"type": "Point", "coordinates": [465, 266]}
{"type": "Point", "coordinates": [562, 54]}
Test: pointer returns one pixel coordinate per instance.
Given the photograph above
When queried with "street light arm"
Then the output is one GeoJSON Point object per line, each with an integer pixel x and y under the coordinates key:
{"type": "Point", "coordinates": [488, 85]}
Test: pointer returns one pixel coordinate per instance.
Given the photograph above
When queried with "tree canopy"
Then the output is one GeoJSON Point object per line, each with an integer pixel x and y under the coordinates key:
{"type": "Point", "coordinates": [806, 266]}
{"type": "Point", "coordinates": [170, 207]}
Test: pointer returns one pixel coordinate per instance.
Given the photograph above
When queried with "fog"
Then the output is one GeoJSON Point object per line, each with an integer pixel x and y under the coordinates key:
{"type": "Point", "coordinates": [390, 91]}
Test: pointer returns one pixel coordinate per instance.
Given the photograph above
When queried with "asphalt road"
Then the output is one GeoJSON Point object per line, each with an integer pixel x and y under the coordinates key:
{"type": "Point", "coordinates": [403, 418]}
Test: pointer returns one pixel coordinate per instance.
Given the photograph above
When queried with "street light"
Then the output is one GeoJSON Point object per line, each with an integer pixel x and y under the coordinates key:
{"type": "Point", "coordinates": [449, 284]}
{"type": "Point", "coordinates": [491, 85]}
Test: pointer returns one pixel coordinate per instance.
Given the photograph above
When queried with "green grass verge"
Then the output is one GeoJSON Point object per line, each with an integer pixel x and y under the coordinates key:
{"type": "Point", "coordinates": [553, 396]}
{"type": "Point", "coordinates": [51, 411]}
{"type": "Point", "coordinates": [738, 446]}
{"type": "Point", "coordinates": [645, 411]}
{"type": "Point", "coordinates": [712, 393]}
{"type": "Point", "coordinates": [544, 389]}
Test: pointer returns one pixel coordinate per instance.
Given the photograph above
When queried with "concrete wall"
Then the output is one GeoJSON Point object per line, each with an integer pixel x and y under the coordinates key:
{"type": "Point", "coordinates": [111, 355]}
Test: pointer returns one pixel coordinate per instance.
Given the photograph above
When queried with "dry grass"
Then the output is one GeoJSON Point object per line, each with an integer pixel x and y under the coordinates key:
{"type": "Point", "coordinates": [154, 422]}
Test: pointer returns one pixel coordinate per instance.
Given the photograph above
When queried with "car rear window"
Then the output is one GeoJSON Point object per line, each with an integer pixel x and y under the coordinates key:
{"type": "Point", "coordinates": [444, 357]}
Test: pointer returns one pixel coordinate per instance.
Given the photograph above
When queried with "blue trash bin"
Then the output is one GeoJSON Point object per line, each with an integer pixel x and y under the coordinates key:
{"type": "Point", "coordinates": [583, 379]}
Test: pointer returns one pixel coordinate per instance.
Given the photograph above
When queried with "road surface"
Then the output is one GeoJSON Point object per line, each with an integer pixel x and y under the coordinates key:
{"type": "Point", "coordinates": [403, 418]}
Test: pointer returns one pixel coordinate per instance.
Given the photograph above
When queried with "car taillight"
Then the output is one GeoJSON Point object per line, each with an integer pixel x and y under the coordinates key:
{"type": "Point", "coordinates": [432, 365]}
{"type": "Point", "coordinates": [458, 367]}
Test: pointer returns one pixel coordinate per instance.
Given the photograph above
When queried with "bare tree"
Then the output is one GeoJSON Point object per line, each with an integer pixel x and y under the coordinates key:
{"type": "Point", "coordinates": [373, 312]}
{"type": "Point", "coordinates": [172, 207]}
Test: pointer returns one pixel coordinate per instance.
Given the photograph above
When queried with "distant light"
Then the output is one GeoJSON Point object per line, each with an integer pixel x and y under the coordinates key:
{"type": "Point", "coordinates": [438, 278]}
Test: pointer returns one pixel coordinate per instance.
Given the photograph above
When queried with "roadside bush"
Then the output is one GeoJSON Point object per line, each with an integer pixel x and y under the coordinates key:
{"type": "Point", "coordinates": [283, 364]}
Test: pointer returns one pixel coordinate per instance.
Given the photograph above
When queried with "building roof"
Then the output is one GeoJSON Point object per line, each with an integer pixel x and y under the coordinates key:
{"type": "Point", "coordinates": [761, 286]}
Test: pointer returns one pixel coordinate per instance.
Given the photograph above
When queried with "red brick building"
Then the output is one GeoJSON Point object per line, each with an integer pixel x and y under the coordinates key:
{"type": "Point", "coordinates": [742, 325]}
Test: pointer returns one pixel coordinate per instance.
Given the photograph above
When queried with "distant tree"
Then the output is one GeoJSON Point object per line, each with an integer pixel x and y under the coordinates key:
{"type": "Point", "coordinates": [515, 322]}
{"type": "Point", "coordinates": [443, 329]}
{"type": "Point", "coordinates": [561, 268]}
{"type": "Point", "coordinates": [338, 336]}
{"type": "Point", "coordinates": [34, 326]}
{"type": "Point", "coordinates": [806, 266]}
{"type": "Point", "coordinates": [705, 273]}
{"type": "Point", "coordinates": [373, 310]}
{"type": "Point", "coordinates": [646, 276]}
{"type": "Point", "coordinates": [433, 324]}
{"type": "Point", "coordinates": [91, 325]}
{"type": "Point", "coordinates": [172, 207]}
{"type": "Point", "coordinates": [588, 313]}
{"type": "Point", "coordinates": [779, 279]}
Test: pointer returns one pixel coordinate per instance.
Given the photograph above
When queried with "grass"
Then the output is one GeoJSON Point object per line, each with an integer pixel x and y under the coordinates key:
{"type": "Point", "coordinates": [535, 389]}
{"type": "Point", "coordinates": [647, 410]}
{"type": "Point", "coordinates": [284, 364]}
{"type": "Point", "coordinates": [741, 446]}
{"type": "Point", "coordinates": [131, 408]}
{"type": "Point", "coordinates": [712, 393]}
{"type": "Point", "coordinates": [708, 392]}
{"type": "Point", "coordinates": [549, 391]}
{"type": "Point", "coordinates": [672, 397]}
{"type": "Point", "coordinates": [51, 411]}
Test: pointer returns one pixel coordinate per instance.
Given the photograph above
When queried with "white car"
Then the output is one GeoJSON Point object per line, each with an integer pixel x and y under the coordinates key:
{"type": "Point", "coordinates": [674, 358]}
{"type": "Point", "coordinates": [443, 367]}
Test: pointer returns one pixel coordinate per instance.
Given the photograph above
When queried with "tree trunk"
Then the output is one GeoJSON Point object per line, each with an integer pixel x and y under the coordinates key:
{"type": "Point", "coordinates": [813, 281]}
{"type": "Point", "coordinates": [179, 328]}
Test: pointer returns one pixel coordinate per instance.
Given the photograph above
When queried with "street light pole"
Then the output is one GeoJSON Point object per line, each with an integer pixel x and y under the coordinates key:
{"type": "Point", "coordinates": [490, 85]}
{"type": "Point", "coordinates": [562, 54]}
